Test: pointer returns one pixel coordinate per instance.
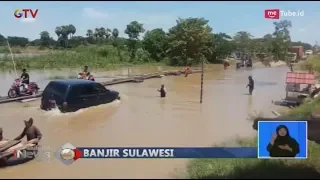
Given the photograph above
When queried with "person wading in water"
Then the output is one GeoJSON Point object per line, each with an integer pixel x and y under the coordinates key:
{"type": "Point", "coordinates": [163, 91]}
{"type": "Point", "coordinates": [31, 131]}
{"type": "Point", "coordinates": [186, 71]}
{"type": "Point", "coordinates": [226, 65]}
{"type": "Point", "coordinates": [250, 85]}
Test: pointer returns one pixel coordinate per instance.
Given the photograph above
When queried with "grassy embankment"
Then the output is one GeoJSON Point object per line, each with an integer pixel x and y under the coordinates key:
{"type": "Point", "coordinates": [255, 168]}
{"type": "Point", "coordinates": [106, 57]}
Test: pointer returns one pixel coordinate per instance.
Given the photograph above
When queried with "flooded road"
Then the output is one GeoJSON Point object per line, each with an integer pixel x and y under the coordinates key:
{"type": "Point", "coordinates": [141, 118]}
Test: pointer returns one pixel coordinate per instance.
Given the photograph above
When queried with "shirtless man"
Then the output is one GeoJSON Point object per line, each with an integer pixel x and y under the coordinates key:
{"type": "Point", "coordinates": [31, 131]}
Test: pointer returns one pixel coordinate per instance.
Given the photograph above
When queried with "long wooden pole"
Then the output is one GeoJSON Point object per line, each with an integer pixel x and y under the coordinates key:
{"type": "Point", "coordinates": [202, 70]}
{"type": "Point", "coordinates": [14, 64]}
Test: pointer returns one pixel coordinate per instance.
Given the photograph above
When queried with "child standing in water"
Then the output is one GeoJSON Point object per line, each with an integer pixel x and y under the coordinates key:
{"type": "Point", "coordinates": [162, 91]}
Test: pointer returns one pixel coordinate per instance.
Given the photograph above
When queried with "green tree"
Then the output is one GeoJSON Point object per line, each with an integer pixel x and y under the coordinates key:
{"type": "Point", "coordinates": [281, 40]}
{"type": "Point", "coordinates": [101, 32]}
{"type": "Point", "coordinates": [107, 33]}
{"type": "Point", "coordinates": [63, 32]}
{"type": "Point", "coordinates": [267, 43]}
{"type": "Point", "coordinates": [155, 42]}
{"type": "Point", "coordinates": [188, 41]}
{"type": "Point", "coordinates": [243, 41]}
{"type": "Point", "coordinates": [90, 38]}
{"type": "Point", "coordinates": [222, 47]}
{"type": "Point", "coordinates": [133, 30]}
{"type": "Point", "coordinates": [58, 31]}
{"type": "Point", "coordinates": [72, 30]}
{"type": "Point", "coordinates": [89, 33]}
{"type": "Point", "coordinates": [18, 41]}
{"type": "Point", "coordinates": [2, 40]}
{"type": "Point", "coordinates": [45, 39]}
{"type": "Point", "coordinates": [115, 35]}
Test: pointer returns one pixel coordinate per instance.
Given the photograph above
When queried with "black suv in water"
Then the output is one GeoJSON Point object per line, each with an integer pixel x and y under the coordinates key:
{"type": "Point", "coordinates": [74, 94]}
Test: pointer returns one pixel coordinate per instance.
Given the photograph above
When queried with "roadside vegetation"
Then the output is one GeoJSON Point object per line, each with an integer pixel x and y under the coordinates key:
{"type": "Point", "coordinates": [312, 64]}
{"type": "Point", "coordinates": [189, 42]}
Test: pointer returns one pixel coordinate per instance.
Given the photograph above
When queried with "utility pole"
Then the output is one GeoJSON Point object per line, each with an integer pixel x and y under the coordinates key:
{"type": "Point", "coordinates": [202, 70]}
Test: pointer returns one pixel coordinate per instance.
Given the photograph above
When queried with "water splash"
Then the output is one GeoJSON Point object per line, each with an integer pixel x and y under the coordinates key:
{"type": "Point", "coordinates": [56, 113]}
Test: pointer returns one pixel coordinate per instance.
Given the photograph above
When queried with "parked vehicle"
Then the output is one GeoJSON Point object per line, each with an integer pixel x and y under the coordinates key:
{"type": "Point", "coordinates": [309, 52]}
{"type": "Point", "coordinates": [74, 94]}
{"type": "Point", "coordinates": [298, 50]}
{"type": "Point", "coordinates": [292, 57]}
{"type": "Point", "coordinates": [17, 89]}
{"type": "Point", "coordinates": [244, 63]}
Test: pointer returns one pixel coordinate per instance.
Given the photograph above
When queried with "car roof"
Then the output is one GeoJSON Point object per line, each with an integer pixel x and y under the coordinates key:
{"type": "Point", "coordinates": [72, 82]}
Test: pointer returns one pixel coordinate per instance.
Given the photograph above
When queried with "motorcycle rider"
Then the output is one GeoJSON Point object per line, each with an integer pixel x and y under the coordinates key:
{"type": "Point", "coordinates": [90, 77]}
{"type": "Point", "coordinates": [85, 72]}
{"type": "Point", "coordinates": [25, 79]}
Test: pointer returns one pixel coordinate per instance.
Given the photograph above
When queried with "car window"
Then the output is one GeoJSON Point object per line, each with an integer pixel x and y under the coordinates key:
{"type": "Point", "coordinates": [75, 91]}
{"type": "Point", "coordinates": [56, 88]}
{"type": "Point", "coordinates": [88, 90]}
{"type": "Point", "coordinates": [100, 88]}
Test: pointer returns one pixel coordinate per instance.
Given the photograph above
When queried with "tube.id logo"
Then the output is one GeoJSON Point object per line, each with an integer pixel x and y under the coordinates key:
{"type": "Point", "coordinates": [272, 13]}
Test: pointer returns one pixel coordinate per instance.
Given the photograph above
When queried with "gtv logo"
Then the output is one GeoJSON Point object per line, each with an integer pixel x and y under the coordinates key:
{"type": "Point", "coordinates": [25, 13]}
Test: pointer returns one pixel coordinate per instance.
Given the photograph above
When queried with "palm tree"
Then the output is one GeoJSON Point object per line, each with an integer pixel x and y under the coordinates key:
{"type": "Point", "coordinates": [58, 31]}
{"type": "Point", "coordinates": [108, 33]}
{"type": "Point", "coordinates": [89, 33]}
{"type": "Point", "coordinates": [64, 32]}
{"type": "Point", "coordinates": [115, 33]}
{"type": "Point", "coordinates": [101, 32]}
{"type": "Point", "coordinates": [72, 30]}
{"type": "Point", "coordinates": [96, 33]}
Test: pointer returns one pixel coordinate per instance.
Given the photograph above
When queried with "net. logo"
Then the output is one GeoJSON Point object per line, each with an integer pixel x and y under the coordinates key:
{"type": "Point", "coordinates": [272, 13]}
{"type": "Point", "coordinates": [42, 154]}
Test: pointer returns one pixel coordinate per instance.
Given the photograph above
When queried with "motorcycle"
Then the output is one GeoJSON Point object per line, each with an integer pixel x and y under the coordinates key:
{"type": "Point", "coordinates": [246, 63]}
{"type": "Point", "coordinates": [16, 90]}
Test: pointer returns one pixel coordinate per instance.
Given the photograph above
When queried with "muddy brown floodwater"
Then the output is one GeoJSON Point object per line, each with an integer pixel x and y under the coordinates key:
{"type": "Point", "coordinates": [141, 118]}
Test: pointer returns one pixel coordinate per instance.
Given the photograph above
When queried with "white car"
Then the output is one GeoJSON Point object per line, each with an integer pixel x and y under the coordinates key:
{"type": "Point", "coordinates": [309, 52]}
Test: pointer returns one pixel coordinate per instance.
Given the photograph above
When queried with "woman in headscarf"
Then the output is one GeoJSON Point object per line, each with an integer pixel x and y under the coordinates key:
{"type": "Point", "coordinates": [282, 144]}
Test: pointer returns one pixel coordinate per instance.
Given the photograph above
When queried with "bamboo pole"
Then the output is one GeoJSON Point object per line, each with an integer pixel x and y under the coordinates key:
{"type": "Point", "coordinates": [14, 64]}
